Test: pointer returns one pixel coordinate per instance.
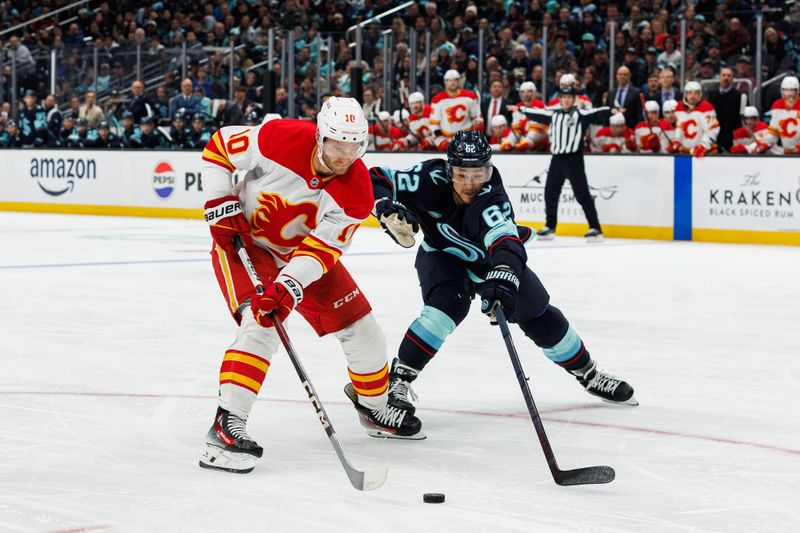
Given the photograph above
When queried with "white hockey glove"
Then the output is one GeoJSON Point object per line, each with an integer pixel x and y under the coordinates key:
{"type": "Point", "coordinates": [399, 222]}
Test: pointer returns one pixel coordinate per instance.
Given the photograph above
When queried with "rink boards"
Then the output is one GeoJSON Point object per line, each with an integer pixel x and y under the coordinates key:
{"type": "Point", "coordinates": [718, 199]}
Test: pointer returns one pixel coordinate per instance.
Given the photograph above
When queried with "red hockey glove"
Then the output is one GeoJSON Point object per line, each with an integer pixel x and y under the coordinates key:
{"type": "Point", "coordinates": [442, 143]}
{"type": "Point", "coordinates": [426, 144]}
{"type": "Point", "coordinates": [674, 147]}
{"type": "Point", "coordinates": [522, 146]}
{"type": "Point", "coordinates": [738, 149]}
{"type": "Point", "coordinates": [506, 146]}
{"type": "Point", "coordinates": [611, 148]}
{"type": "Point", "coordinates": [699, 151]}
{"type": "Point", "coordinates": [761, 147]}
{"type": "Point", "coordinates": [226, 220]}
{"type": "Point", "coordinates": [651, 142]}
{"type": "Point", "coordinates": [280, 297]}
{"type": "Point", "coordinates": [630, 144]}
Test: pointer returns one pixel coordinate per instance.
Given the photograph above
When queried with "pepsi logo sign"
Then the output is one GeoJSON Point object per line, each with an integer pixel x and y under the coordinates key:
{"type": "Point", "coordinates": [164, 179]}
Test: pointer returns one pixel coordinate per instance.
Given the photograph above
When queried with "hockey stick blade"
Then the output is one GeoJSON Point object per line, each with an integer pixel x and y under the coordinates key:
{"type": "Point", "coordinates": [369, 479]}
{"type": "Point", "coordinates": [591, 475]}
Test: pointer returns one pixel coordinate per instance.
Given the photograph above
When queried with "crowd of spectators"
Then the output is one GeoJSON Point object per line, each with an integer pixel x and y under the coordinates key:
{"type": "Point", "coordinates": [721, 33]}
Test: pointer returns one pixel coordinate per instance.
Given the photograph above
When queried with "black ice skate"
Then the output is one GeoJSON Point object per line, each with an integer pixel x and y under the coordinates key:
{"type": "Point", "coordinates": [546, 234]}
{"type": "Point", "coordinates": [594, 235]}
{"type": "Point", "coordinates": [389, 422]}
{"type": "Point", "coordinates": [400, 379]}
{"type": "Point", "coordinates": [605, 386]}
{"type": "Point", "coordinates": [228, 446]}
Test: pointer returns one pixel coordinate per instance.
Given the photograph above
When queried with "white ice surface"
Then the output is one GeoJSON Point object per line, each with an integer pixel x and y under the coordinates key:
{"type": "Point", "coordinates": [112, 332]}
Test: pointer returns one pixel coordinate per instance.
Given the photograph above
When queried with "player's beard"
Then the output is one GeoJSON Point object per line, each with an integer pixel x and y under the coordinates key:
{"type": "Point", "coordinates": [335, 166]}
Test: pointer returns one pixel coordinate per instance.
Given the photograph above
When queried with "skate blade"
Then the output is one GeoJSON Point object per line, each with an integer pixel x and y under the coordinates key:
{"type": "Point", "coordinates": [631, 402]}
{"type": "Point", "coordinates": [545, 237]}
{"type": "Point", "coordinates": [380, 434]}
{"type": "Point", "coordinates": [598, 238]}
{"type": "Point", "coordinates": [216, 458]}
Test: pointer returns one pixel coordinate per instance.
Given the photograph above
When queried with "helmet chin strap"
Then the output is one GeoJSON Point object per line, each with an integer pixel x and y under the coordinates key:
{"type": "Point", "coordinates": [323, 167]}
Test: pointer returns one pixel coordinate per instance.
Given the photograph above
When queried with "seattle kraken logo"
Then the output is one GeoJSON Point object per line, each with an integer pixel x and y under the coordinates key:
{"type": "Point", "coordinates": [464, 250]}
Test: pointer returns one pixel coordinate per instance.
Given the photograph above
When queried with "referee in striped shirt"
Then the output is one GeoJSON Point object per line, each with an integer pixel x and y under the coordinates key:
{"type": "Point", "coordinates": [568, 126]}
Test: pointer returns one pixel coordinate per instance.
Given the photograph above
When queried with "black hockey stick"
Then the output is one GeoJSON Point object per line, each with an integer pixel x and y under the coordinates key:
{"type": "Point", "coordinates": [362, 480]}
{"type": "Point", "coordinates": [590, 475]}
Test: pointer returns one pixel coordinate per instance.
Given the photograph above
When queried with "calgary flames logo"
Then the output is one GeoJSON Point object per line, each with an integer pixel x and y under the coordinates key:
{"type": "Point", "coordinates": [689, 128]}
{"type": "Point", "coordinates": [788, 127]}
{"type": "Point", "coordinates": [282, 223]}
{"type": "Point", "coordinates": [456, 113]}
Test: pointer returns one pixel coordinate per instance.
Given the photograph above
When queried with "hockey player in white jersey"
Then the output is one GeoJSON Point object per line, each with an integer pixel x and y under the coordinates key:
{"type": "Point", "coordinates": [649, 137]}
{"type": "Point", "coordinates": [504, 139]}
{"type": "Point", "coordinates": [420, 135]}
{"type": "Point", "coordinates": [751, 137]}
{"type": "Point", "coordinates": [669, 123]}
{"type": "Point", "coordinates": [784, 124]}
{"type": "Point", "coordinates": [305, 192]}
{"type": "Point", "coordinates": [532, 135]}
{"type": "Point", "coordinates": [697, 127]}
{"type": "Point", "coordinates": [616, 138]}
{"type": "Point", "coordinates": [454, 109]}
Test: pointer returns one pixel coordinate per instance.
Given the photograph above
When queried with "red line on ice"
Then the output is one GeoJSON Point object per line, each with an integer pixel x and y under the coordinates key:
{"type": "Point", "coordinates": [544, 414]}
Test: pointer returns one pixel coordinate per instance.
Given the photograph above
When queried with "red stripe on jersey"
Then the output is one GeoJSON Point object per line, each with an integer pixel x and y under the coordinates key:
{"type": "Point", "coordinates": [503, 238]}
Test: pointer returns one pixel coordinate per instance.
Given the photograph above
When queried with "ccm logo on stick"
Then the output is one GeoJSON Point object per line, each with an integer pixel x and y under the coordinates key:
{"type": "Point", "coordinates": [347, 299]}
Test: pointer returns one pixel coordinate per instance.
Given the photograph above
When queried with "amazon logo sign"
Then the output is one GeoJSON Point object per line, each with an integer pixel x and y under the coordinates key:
{"type": "Point", "coordinates": [57, 175]}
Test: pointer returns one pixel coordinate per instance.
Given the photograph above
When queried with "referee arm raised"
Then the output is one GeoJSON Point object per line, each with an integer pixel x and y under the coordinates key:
{"type": "Point", "coordinates": [568, 126]}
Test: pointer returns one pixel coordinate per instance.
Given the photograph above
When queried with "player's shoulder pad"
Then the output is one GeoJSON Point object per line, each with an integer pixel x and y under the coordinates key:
{"type": "Point", "coordinates": [605, 131]}
{"type": "Point", "coordinates": [681, 107]}
{"type": "Point", "coordinates": [467, 93]}
{"type": "Point", "coordinates": [761, 125]}
{"type": "Point", "coordinates": [426, 111]}
{"type": "Point", "coordinates": [704, 107]}
{"type": "Point", "coordinates": [643, 125]}
{"type": "Point", "coordinates": [438, 97]}
{"type": "Point", "coordinates": [353, 191]}
{"type": "Point", "coordinates": [741, 133]}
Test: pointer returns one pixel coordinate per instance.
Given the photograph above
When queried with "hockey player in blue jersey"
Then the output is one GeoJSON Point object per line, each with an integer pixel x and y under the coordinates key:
{"type": "Point", "coordinates": [472, 245]}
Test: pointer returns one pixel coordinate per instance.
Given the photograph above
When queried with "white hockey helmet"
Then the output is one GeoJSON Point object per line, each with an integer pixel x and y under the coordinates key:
{"type": "Point", "coordinates": [527, 86]}
{"type": "Point", "coordinates": [567, 80]}
{"type": "Point", "coordinates": [499, 121]}
{"type": "Point", "coordinates": [270, 116]}
{"type": "Point", "coordinates": [452, 74]}
{"type": "Point", "coordinates": [384, 115]}
{"type": "Point", "coordinates": [415, 97]}
{"type": "Point", "coordinates": [400, 116]}
{"type": "Point", "coordinates": [692, 86]}
{"type": "Point", "coordinates": [670, 106]}
{"type": "Point", "coordinates": [651, 105]}
{"type": "Point", "coordinates": [750, 112]}
{"type": "Point", "coordinates": [342, 119]}
{"type": "Point", "coordinates": [789, 83]}
{"type": "Point", "coordinates": [617, 119]}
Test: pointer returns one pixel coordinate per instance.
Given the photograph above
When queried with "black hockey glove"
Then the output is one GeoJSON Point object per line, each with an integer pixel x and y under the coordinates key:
{"type": "Point", "coordinates": [399, 222]}
{"type": "Point", "coordinates": [500, 288]}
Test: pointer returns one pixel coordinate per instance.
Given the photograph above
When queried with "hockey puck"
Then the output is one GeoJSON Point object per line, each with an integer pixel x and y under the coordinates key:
{"type": "Point", "coordinates": [433, 497]}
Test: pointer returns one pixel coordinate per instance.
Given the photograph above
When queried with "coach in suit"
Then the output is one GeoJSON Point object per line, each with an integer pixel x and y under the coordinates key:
{"type": "Point", "coordinates": [494, 105]}
{"type": "Point", "coordinates": [626, 97]}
